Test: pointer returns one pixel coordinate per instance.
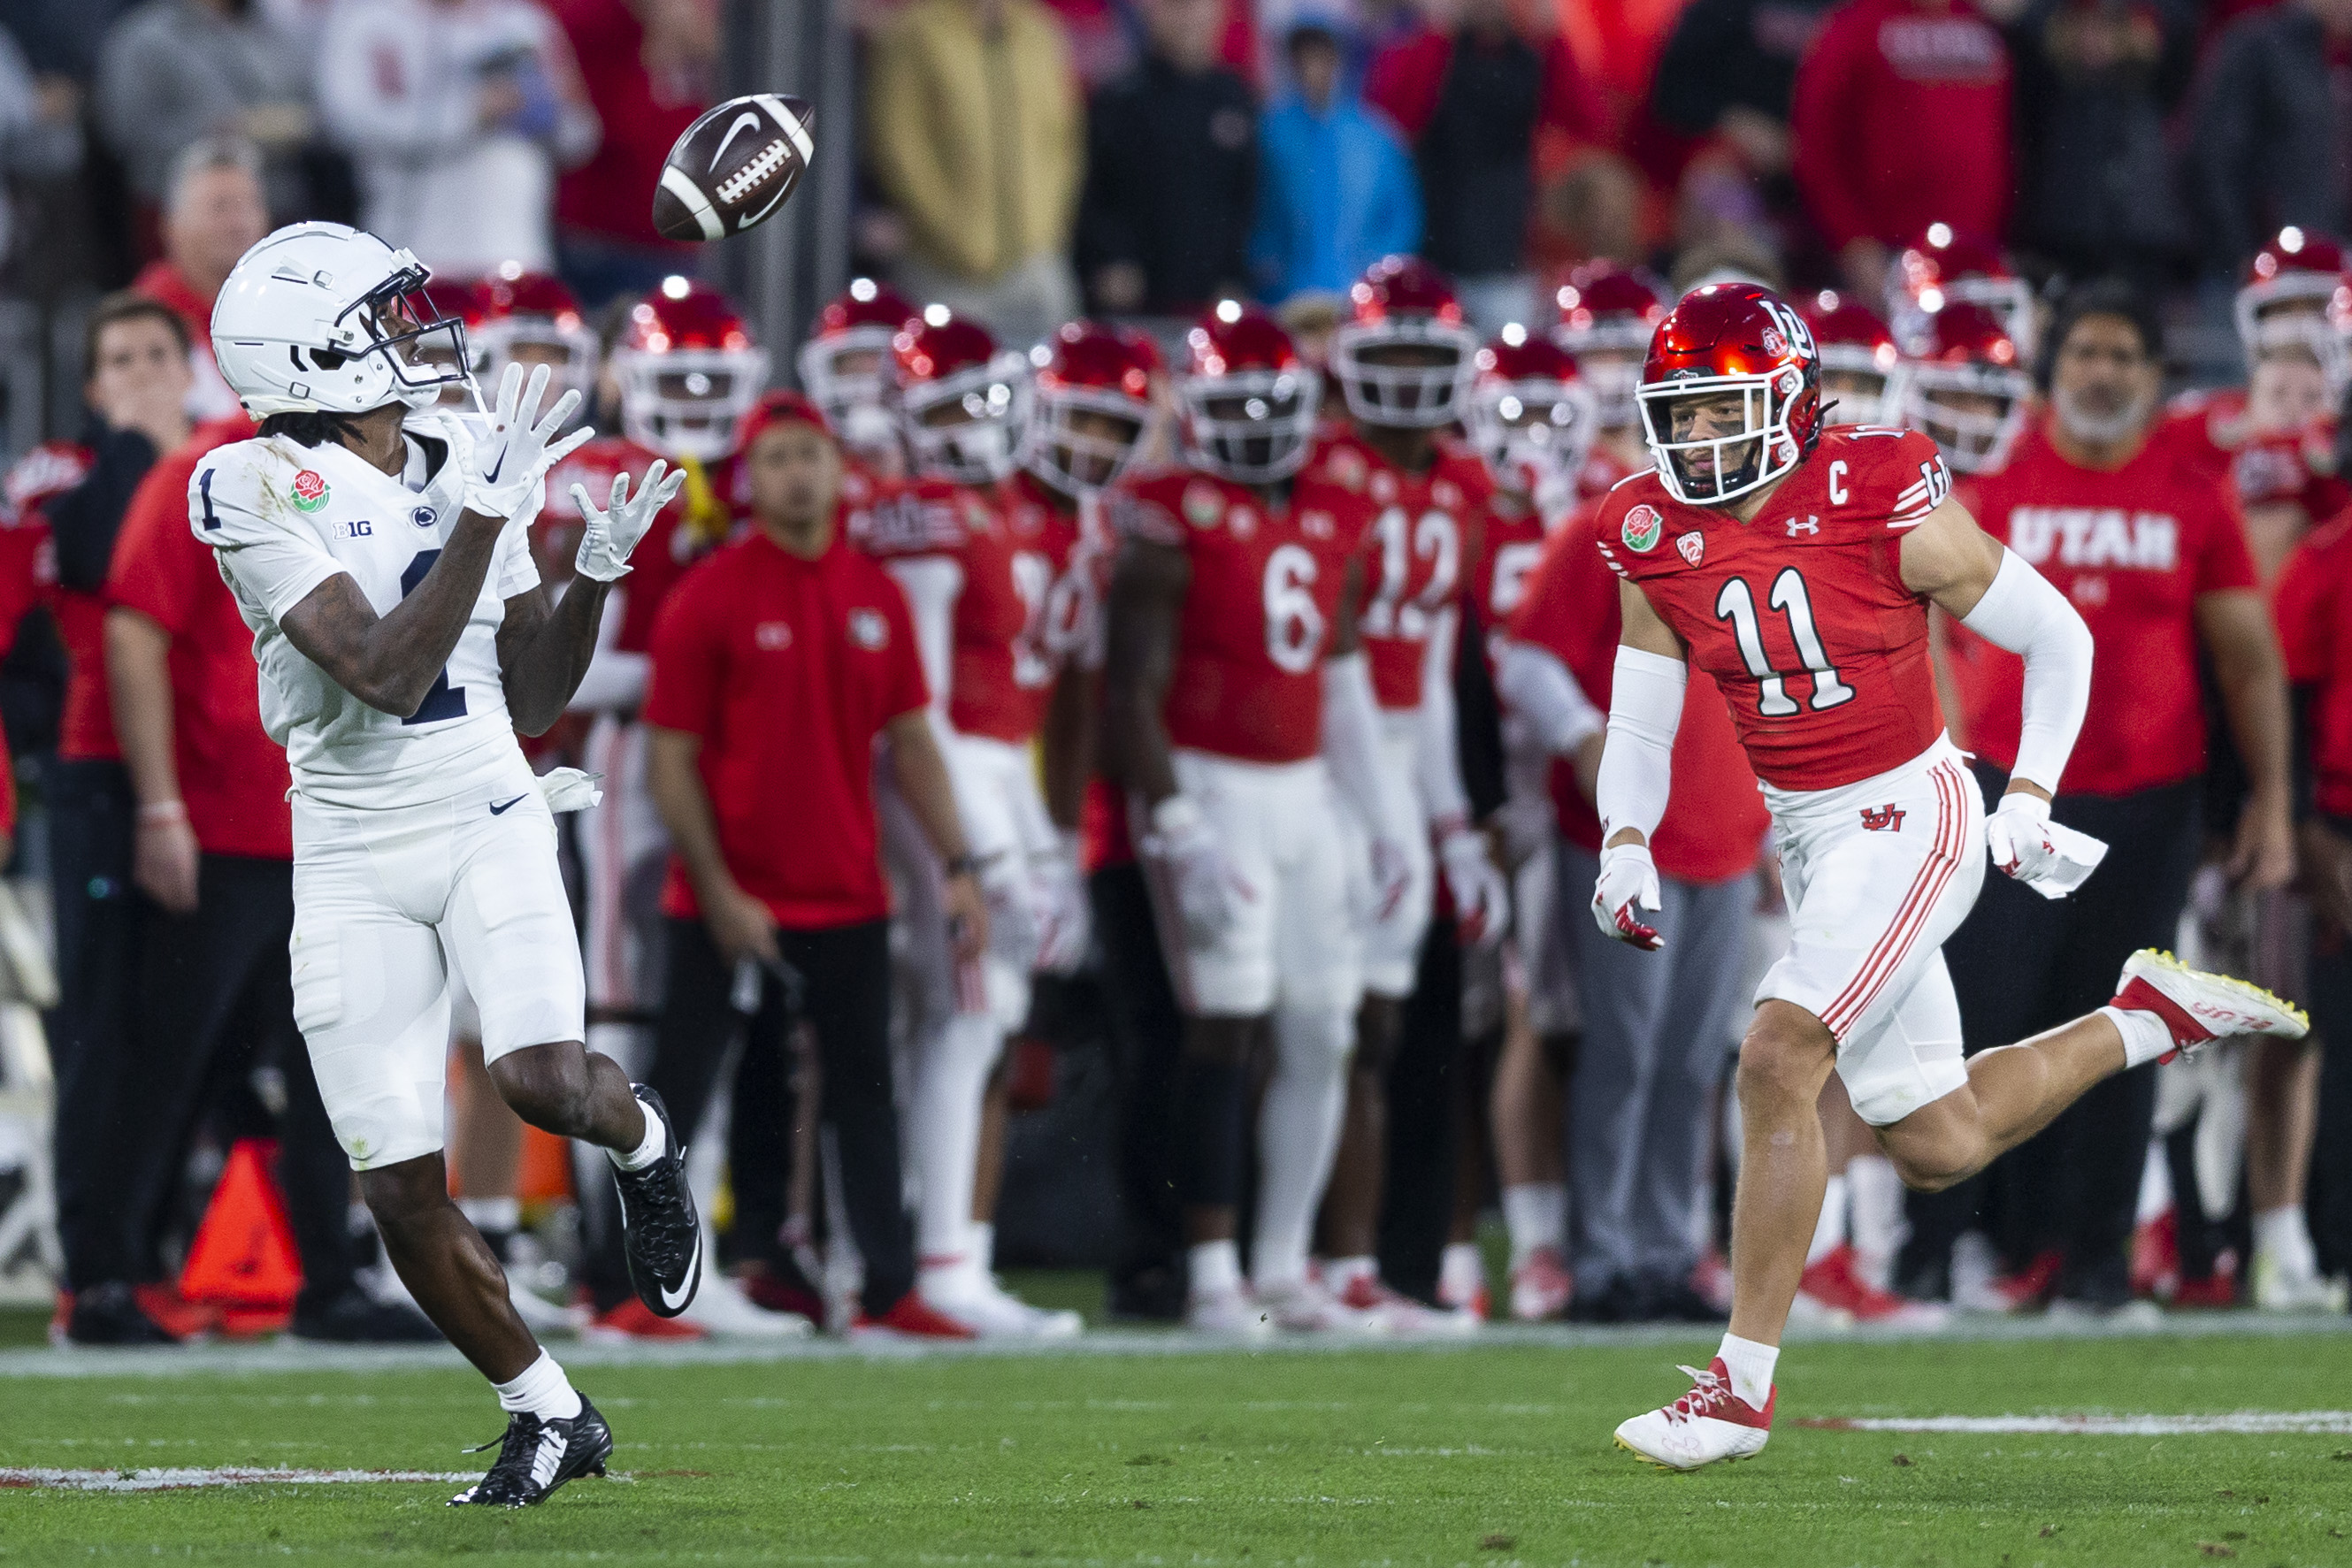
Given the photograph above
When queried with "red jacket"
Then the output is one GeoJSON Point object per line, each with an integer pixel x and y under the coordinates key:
{"type": "Point", "coordinates": [1901, 120]}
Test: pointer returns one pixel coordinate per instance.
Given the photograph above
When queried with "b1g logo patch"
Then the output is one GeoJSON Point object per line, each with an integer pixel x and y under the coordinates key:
{"type": "Point", "coordinates": [1202, 505]}
{"type": "Point", "coordinates": [868, 630]}
{"type": "Point", "coordinates": [1692, 547]}
{"type": "Point", "coordinates": [1643, 529]}
{"type": "Point", "coordinates": [310, 491]}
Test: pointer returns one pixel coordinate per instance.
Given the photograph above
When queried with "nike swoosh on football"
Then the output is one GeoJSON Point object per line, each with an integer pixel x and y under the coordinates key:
{"type": "Point", "coordinates": [500, 811]}
{"type": "Point", "coordinates": [747, 120]}
{"type": "Point", "coordinates": [678, 1300]}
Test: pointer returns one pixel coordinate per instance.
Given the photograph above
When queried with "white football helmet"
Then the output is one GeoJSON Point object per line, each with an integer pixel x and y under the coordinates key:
{"type": "Point", "coordinates": [318, 317]}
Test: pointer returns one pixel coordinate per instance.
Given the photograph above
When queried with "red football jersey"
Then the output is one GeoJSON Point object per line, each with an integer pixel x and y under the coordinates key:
{"type": "Point", "coordinates": [2132, 547]}
{"type": "Point", "coordinates": [1801, 615]}
{"type": "Point", "coordinates": [1420, 539]}
{"type": "Point", "coordinates": [2314, 607]}
{"type": "Point", "coordinates": [1027, 594]}
{"type": "Point", "coordinates": [1258, 615]}
{"type": "Point", "coordinates": [1715, 817]}
{"type": "Point", "coordinates": [2271, 469]}
{"type": "Point", "coordinates": [1511, 544]}
{"type": "Point", "coordinates": [86, 727]}
{"type": "Point", "coordinates": [690, 524]}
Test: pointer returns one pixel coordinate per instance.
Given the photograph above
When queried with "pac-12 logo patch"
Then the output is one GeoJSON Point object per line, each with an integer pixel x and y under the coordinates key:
{"type": "Point", "coordinates": [310, 491]}
{"type": "Point", "coordinates": [1692, 546]}
{"type": "Point", "coordinates": [1203, 505]}
{"type": "Point", "coordinates": [1643, 529]}
{"type": "Point", "coordinates": [1882, 819]}
{"type": "Point", "coordinates": [868, 630]}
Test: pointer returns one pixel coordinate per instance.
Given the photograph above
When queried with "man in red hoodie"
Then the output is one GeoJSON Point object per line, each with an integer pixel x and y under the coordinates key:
{"type": "Point", "coordinates": [1901, 119]}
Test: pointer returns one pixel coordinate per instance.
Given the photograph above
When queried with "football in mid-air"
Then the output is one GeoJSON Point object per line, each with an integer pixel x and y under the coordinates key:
{"type": "Point", "coordinates": [733, 167]}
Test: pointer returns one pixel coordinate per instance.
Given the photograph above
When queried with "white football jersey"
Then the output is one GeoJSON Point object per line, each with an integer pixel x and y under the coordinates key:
{"type": "Point", "coordinates": [281, 519]}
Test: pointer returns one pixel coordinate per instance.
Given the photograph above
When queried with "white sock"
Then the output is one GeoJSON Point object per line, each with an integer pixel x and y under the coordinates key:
{"type": "Point", "coordinates": [541, 1389]}
{"type": "Point", "coordinates": [1339, 1273]}
{"type": "Point", "coordinates": [951, 1068]}
{"type": "Point", "coordinates": [2145, 1036]}
{"type": "Point", "coordinates": [1829, 1229]}
{"type": "Point", "coordinates": [1461, 1273]}
{"type": "Point", "coordinates": [1215, 1266]}
{"type": "Point", "coordinates": [1873, 1213]}
{"type": "Point", "coordinates": [1536, 1214]}
{"type": "Point", "coordinates": [1750, 1365]}
{"type": "Point", "coordinates": [648, 1149]}
{"type": "Point", "coordinates": [981, 1251]}
{"type": "Point", "coordinates": [490, 1213]}
{"type": "Point", "coordinates": [2282, 1233]}
{"type": "Point", "coordinates": [1298, 1134]}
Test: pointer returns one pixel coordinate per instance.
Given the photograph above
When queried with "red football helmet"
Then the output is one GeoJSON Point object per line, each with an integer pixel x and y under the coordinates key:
{"type": "Point", "coordinates": [688, 370]}
{"type": "Point", "coordinates": [1968, 387]}
{"type": "Point", "coordinates": [1403, 357]}
{"type": "Point", "coordinates": [1092, 381]}
{"type": "Point", "coordinates": [1858, 357]}
{"type": "Point", "coordinates": [1943, 267]}
{"type": "Point", "coordinates": [962, 401]}
{"type": "Point", "coordinates": [1722, 342]}
{"type": "Point", "coordinates": [1531, 415]}
{"type": "Point", "coordinates": [531, 319]}
{"type": "Point", "coordinates": [2297, 295]}
{"type": "Point", "coordinates": [845, 366]}
{"type": "Point", "coordinates": [1249, 401]}
{"type": "Point", "coordinates": [1607, 314]}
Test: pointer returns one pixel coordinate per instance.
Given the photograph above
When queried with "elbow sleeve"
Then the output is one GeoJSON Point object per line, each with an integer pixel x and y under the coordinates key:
{"type": "Point", "coordinates": [1645, 709]}
{"type": "Point", "coordinates": [2023, 613]}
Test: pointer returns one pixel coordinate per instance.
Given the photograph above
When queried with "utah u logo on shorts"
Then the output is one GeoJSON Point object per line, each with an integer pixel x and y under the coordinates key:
{"type": "Point", "coordinates": [1882, 819]}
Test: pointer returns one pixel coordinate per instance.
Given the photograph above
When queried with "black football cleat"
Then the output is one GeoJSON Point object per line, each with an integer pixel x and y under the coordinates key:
{"type": "Point", "coordinates": [659, 1231]}
{"type": "Point", "coordinates": [536, 1456]}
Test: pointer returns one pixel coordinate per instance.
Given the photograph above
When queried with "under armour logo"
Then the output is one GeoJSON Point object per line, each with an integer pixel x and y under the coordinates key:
{"type": "Point", "coordinates": [1810, 525]}
{"type": "Point", "coordinates": [1880, 818]}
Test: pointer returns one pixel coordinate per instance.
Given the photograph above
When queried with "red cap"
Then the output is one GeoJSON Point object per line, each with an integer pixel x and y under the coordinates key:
{"type": "Point", "coordinates": [780, 408]}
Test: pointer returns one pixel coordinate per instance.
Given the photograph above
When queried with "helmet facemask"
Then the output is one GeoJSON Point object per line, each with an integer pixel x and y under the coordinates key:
{"type": "Point", "coordinates": [689, 402]}
{"type": "Point", "coordinates": [1530, 432]}
{"type": "Point", "coordinates": [965, 426]}
{"type": "Point", "coordinates": [847, 375]}
{"type": "Point", "coordinates": [1855, 387]}
{"type": "Point", "coordinates": [424, 351]}
{"type": "Point", "coordinates": [1081, 439]}
{"type": "Point", "coordinates": [1249, 427]}
{"type": "Point", "coordinates": [568, 352]}
{"type": "Point", "coordinates": [1408, 371]}
{"type": "Point", "coordinates": [1704, 458]}
{"type": "Point", "coordinates": [1974, 412]}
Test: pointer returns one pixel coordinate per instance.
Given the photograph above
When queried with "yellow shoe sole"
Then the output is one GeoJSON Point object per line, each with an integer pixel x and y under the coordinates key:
{"type": "Point", "coordinates": [2162, 958]}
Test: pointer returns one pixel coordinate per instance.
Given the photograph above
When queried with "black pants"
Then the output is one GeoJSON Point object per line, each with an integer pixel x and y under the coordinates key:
{"type": "Point", "coordinates": [1417, 1190]}
{"type": "Point", "coordinates": [2022, 964]}
{"type": "Point", "coordinates": [1146, 1031]}
{"type": "Point", "coordinates": [2331, 1149]}
{"type": "Point", "coordinates": [846, 974]}
{"type": "Point", "coordinates": [217, 1001]}
{"type": "Point", "coordinates": [98, 921]}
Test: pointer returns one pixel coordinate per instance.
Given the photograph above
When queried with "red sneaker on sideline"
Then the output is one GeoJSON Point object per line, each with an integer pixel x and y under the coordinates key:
{"type": "Point", "coordinates": [908, 1318]}
{"type": "Point", "coordinates": [1835, 1281]}
{"type": "Point", "coordinates": [632, 1320]}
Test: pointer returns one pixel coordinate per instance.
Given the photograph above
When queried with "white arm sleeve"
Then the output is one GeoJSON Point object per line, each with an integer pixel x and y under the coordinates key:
{"type": "Point", "coordinates": [1637, 766]}
{"type": "Point", "coordinates": [1352, 734]}
{"type": "Point", "coordinates": [614, 679]}
{"type": "Point", "coordinates": [2023, 613]}
{"type": "Point", "coordinates": [931, 583]}
{"type": "Point", "coordinates": [1437, 761]}
{"type": "Point", "coordinates": [1537, 689]}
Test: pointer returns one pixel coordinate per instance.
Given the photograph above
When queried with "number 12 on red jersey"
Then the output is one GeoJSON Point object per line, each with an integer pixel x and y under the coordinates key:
{"type": "Point", "coordinates": [1737, 604]}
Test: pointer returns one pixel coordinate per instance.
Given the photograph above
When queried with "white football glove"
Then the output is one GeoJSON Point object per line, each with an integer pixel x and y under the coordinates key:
{"type": "Point", "coordinates": [1482, 896]}
{"type": "Point", "coordinates": [512, 459]}
{"type": "Point", "coordinates": [1210, 893]}
{"type": "Point", "coordinates": [569, 790]}
{"type": "Point", "coordinates": [1628, 878]}
{"type": "Point", "coordinates": [1064, 919]}
{"type": "Point", "coordinates": [2051, 858]}
{"type": "Point", "coordinates": [611, 535]}
{"type": "Point", "coordinates": [1392, 876]}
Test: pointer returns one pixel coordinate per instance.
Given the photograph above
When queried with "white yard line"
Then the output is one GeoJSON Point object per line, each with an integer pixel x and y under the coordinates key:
{"type": "Point", "coordinates": [175, 1480]}
{"type": "Point", "coordinates": [2246, 1422]}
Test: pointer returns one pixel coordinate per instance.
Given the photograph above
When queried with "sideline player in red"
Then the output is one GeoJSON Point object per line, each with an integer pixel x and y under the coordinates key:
{"type": "Point", "coordinates": [1607, 313]}
{"type": "Point", "coordinates": [1795, 566]}
{"type": "Point", "coordinates": [845, 369]}
{"type": "Point", "coordinates": [1858, 359]}
{"type": "Point", "coordinates": [1403, 363]}
{"type": "Point", "coordinates": [1233, 673]}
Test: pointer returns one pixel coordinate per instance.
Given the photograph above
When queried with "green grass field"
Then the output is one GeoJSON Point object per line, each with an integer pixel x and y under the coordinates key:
{"type": "Point", "coordinates": [1489, 1453]}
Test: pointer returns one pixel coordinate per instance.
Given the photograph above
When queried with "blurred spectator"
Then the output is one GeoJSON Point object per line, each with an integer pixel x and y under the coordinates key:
{"type": "Point", "coordinates": [1723, 84]}
{"type": "Point", "coordinates": [61, 38]}
{"type": "Point", "coordinates": [1471, 101]}
{"type": "Point", "coordinates": [40, 126]}
{"type": "Point", "coordinates": [213, 215]}
{"type": "Point", "coordinates": [174, 71]}
{"type": "Point", "coordinates": [2272, 140]}
{"type": "Point", "coordinates": [1337, 189]}
{"type": "Point", "coordinates": [645, 64]}
{"type": "Point", "coordinates": [1172, 171]}
{"type": "Point", "coordinates": [2095, 79]}
{"type": "Point", "coordinates": [1901, 120]}
{"type": "Point", "coordinates": [976, 135]}
{"type": "Point", "coordinates": [458, 113]}
{"type": "Point", "coordinates": [1102, 47]}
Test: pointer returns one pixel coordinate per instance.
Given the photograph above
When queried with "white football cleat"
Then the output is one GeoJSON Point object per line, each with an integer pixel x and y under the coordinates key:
{"type": "Point", "coordinates": [970, 1295]}
{"type": "Point", "coordinates": [1234, 1312]}
{"type": "Point", "coordinates": [2201, 1007]}
{"type": "Point", "coordinates": [1541, 1286]}
{"type": "Point", "coordinates": [720, 1307]}
{"type": "Point", "coordinates": [542, 1316]}
{"type": "Point", "coordinates": [2279, 1287]}
{"type": "Point", "coordinates": [1707, 1424]}
{"type": "Point", "coordinates": [1391, 1312]}
{"type": "Point", "coordinates": [1304, 1306]}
